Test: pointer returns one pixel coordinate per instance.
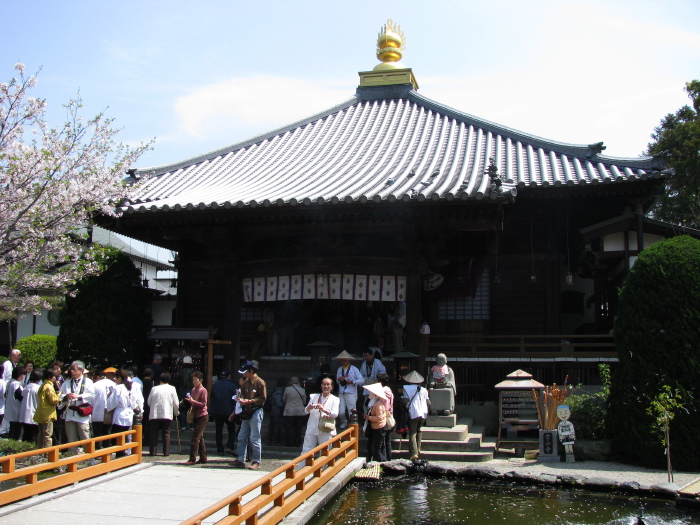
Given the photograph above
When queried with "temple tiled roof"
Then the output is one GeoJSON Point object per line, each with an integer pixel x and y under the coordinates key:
{"type": "Point", "coordinates": [383, 145]}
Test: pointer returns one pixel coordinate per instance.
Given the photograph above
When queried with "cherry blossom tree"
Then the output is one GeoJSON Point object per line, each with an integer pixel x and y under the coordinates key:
{"type": "Point", "coordinates": [53, 181]}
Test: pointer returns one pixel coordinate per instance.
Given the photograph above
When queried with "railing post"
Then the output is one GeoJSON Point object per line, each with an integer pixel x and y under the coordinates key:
{"type": "Point", "coordinates": [355, 431]}
{"type": "Point", "coordinates": [138, 420]}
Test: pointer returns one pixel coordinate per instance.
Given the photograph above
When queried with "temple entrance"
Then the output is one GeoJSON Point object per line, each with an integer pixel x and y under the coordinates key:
{"type": "Point", "coordinates": [288, 327]}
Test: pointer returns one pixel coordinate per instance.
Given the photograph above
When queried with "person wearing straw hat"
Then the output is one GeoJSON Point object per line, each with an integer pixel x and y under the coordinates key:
{"type": "Point", "coordinates": [417, 404]}
{"type": "Point", "coordinates": [376, 417]}
{"type": "Point", "coordinates": [348, 377]}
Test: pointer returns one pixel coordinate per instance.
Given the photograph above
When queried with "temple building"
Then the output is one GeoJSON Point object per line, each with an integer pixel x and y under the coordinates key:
{"type": "Point", "coordinates": [390, 216]}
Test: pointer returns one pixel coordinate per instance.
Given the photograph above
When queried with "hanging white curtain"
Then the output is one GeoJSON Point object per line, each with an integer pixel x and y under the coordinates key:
{"type": "Point", "coordinates": [325, 286]}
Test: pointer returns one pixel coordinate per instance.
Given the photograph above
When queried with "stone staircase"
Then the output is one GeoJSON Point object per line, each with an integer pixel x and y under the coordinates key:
{"type": "Point", "coordinates": [445, 438]}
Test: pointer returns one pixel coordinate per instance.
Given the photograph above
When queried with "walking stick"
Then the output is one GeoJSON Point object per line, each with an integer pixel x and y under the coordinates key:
{"type": "Point", "coordinates": [177, 425]}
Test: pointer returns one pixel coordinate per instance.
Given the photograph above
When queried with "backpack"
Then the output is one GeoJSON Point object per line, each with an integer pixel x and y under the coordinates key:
{"type": "Point", "coordinates": [267, 407]}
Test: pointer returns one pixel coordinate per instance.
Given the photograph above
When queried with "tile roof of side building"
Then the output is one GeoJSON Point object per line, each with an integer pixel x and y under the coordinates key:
{"type": "Point", "coordinates": [385, 144]}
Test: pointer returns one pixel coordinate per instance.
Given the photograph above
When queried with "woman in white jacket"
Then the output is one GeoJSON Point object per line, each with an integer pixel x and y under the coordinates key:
{"type": "Point", "coordinates": [125, 401]}
{"type": "Point", "coordinates": [164, 408]}
{"type": "Point", "coordinates": [29, 403]}
{"type": "Point", "coordinates": [324, 403]}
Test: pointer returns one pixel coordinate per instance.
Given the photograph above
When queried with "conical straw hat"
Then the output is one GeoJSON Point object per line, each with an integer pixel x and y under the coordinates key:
{"type": "Point", "coordinates": [413, 377]}
{"type": "Point", "coordinates": [376, 389]}
{"type": "Point", "coordinates": [344, 355]}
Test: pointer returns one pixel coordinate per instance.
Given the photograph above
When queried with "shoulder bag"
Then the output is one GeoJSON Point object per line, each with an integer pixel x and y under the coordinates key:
{"type": "Point", "coordinates": [326, 423]}
{"type": "Point", "coordinates": [84, 409]}
{"type": "Point", "coordinates": [390, 421]}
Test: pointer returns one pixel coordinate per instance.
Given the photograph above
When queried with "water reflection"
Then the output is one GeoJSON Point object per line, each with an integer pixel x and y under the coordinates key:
{"type": "Point", "coordinates": [417, 500]}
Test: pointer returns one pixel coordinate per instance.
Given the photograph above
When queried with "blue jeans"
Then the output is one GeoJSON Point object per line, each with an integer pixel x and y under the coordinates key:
{"type": "Point", "coordinates": [250, 429]}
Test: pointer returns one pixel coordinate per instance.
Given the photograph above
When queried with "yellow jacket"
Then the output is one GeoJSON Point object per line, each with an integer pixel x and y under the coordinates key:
{"type": "Point", "coordinates": [47, 399]}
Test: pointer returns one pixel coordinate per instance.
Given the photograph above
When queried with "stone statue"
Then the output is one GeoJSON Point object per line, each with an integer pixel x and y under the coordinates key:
{"type": "Point", "coordinates": [442, 387]}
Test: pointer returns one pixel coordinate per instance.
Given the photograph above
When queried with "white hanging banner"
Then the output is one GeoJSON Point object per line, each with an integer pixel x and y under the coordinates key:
{"type": "Point", "coordinates": [388, 288]}
{"type": "Point", "coordinates": [295, 287]}
{"type": "Point", "coordinates": [322, 286]}
{"type": "Point", "coordinates": [374, 288]}
{"type": "Point", "coordinates": [400, 288]}
{"type": "Point", "coordinates": [360, 288]}
{"type": "Point", "coordinates": [335, 286]}
{"type": "Point", "coordinates": [283, 288]}
{"type": "Point", "coordinates": [349, 287]}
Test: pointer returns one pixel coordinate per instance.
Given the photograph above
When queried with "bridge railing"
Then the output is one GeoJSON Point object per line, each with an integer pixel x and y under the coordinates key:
{"type": "Point", "coordinates": [303, 476]}
{"type": "Point", "coordinates": [59, 471]}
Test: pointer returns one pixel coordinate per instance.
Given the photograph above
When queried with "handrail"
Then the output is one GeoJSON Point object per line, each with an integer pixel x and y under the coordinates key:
{"type": "Point", "coordinates": [273, 503]}
{"type": "Point", "coordinates": [470, 343]}
{"type": "Point", "coordinates": [33, 485]}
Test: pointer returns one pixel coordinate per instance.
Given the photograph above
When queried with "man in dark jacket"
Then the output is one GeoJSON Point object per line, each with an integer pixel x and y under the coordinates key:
{"type": "Point", "coordinates": [221, 406]}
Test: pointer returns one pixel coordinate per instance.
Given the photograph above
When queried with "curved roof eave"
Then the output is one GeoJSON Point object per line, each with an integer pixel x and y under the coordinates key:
{"type": "Point", "coordinates": [154, 171]}
{"type": "Point", "coordinates": [405, 148]}
{"type": "Point", "coordinates": [576, 150]}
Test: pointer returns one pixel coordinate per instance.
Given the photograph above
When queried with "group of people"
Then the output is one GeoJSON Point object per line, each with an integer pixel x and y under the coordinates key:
{"type": "Point", "coordinates": [46, 405]}
{"type": "Point", "coordinates": [329, 410]}
{"type": "Point", "coordinates": [378, 404]}
{"type": "Point", "coordinates": [50, 408]}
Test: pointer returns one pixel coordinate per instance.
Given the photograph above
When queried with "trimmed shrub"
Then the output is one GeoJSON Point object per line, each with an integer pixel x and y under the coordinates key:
{"type": "Point", "coordinates": [11, 446]}
{"type": "Point", "coordinates": [589, 410]}
{"type": "Point", "coordinates": [39, 349]}
{"type": "Point", "coordinates": [657, 333]}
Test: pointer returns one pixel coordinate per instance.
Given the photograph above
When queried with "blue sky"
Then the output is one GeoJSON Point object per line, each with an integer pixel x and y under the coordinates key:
{"type": "Point", "coordinates": [200, 75]}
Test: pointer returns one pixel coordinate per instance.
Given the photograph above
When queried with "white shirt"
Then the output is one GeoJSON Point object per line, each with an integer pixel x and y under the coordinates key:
{"type": "Point", "coordinates": [163, 402]}
{"type": "Point", "coordinates": [103, 390]}
{"type": "Point", "coordinates": [29, 403]}
{"type": "Point", "coordinates": [87, 396]}
{"type": "Point", "coordinates": [7, 367]}
{"type": "Point", "coordinates": [419, 406]}
{"type": "Point", "coordinates": [368, 378]}
{"type": "Point", "coordinates": [13, 407]}
{"type": "Point", "coordinates": [332, 404]}
{"type": "Point", "coordinates": [3, 386]}
{"type": "Point", "coordinates": [123, 402]}
{"type": "Point", "coordinates": [353, 375]}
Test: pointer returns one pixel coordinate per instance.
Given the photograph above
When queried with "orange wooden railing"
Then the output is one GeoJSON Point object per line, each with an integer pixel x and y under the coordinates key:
{"type": "Point", "coordinates": [104, 463]}
{"type": "Point", "coordinates": [275, 501]}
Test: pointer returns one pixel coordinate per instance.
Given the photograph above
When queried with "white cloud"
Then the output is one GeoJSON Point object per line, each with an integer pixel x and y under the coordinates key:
{"type": "Point", "coordinates": [260, 101]}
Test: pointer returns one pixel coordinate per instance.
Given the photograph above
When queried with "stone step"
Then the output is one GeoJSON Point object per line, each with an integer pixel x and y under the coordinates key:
{"type": "Point", "coordinates": [441, 421]}
{"type": "Point", "coordinates": [472, 443]}
{"type": "Point", "coordinates": [483, 454]}
{"type": "Point", "coordinates": [457, 433]}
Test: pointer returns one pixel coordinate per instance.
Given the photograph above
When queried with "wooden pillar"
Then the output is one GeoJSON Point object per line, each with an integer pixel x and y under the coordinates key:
{"type": "Point", "coordinates": [413, 317]}
{"type": "Point", "coordinates": [233, 302]}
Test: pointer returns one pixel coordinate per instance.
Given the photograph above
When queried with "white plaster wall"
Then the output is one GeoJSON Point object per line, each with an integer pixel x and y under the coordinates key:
{"type": "Point", "coordinates": [162, 312]}
{"type": "Point", "coordinates": [25, 325]}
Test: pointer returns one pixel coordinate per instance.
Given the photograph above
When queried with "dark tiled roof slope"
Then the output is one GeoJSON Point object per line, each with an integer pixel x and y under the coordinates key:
{"type": "Point", "coordinates": [377, 149]}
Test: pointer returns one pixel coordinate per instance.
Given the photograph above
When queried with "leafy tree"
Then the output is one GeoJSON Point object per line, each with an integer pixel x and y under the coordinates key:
{"type": "Point", "coordinates": [39, 349]}
{"type": "Point", "coordinates": [657, 333]}
{"type": "Point", "coordinates": [53, 181]}
{"type": "Point", "coordinates": [664, 408]}
{"type": "Point", "coordinates": [679, 135]}
{"type": "Point", "coordinates": [106, 318]}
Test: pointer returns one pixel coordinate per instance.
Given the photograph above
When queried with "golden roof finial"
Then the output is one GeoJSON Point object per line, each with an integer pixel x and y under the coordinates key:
{"type": "Point", "coordinates": [390, 44]}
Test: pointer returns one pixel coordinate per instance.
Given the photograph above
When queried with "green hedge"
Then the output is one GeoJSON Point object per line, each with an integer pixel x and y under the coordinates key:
{"type": "Point", "coordinates": [39, 349]}
{"type": "Point", "coordinates": [657, 333]}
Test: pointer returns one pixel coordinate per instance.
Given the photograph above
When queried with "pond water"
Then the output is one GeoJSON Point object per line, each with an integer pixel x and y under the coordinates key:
{"type": "Point", "coordinates": [414, 500]}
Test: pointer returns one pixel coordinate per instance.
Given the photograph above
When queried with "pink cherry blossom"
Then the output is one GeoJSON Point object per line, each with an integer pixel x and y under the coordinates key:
{"type": "Point", "coordinates": [54, 181]}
